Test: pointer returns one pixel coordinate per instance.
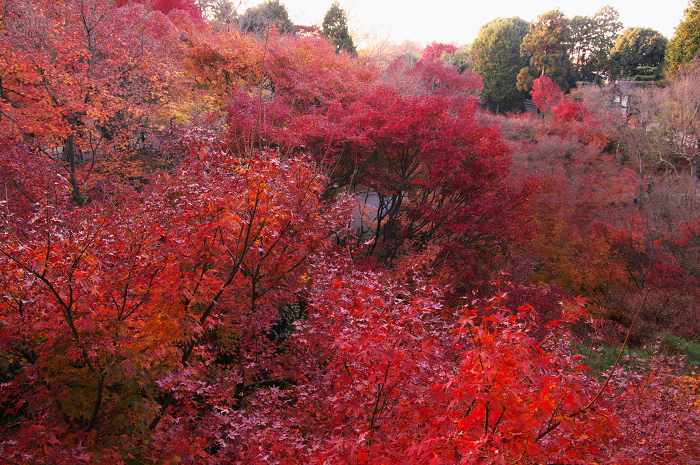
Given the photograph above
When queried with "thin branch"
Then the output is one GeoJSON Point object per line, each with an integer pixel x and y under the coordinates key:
{"type": "Point", "coordinates": [8, 460]}
{"type": "Point", "coordinates": [617, 361]}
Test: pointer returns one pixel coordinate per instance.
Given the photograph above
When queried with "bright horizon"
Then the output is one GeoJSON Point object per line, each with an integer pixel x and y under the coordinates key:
{"type": "Point", "coordinates": [448, 22]}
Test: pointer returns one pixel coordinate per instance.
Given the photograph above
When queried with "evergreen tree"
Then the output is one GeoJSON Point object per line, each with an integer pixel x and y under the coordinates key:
{"type": "Point", "coordinates": [608, 27]}
{"type": "Point", "coordinates": [496, 55]}
{"type": "Point", "coordinates": [547, 45]}
{"type": "Point", "coordinates": [685, 44]}
{"type": "Point", "coordinates": [636, 51]}
{"type": "Point", "coordinates": [582, 30]}
{"type": "Point", "coordinates": [257, 19]}
{"type": "Point", "coordinates": [592, 38]}
{"type": "Point", "coordinates": [335, 27]}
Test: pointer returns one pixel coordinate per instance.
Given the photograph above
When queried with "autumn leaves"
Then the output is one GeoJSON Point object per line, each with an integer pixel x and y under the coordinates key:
{"type": "Point", "coordinates": [203, 300]}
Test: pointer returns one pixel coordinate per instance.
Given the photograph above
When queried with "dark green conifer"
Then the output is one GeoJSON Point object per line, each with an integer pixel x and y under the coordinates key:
{"type": "Point", "coordinates": [335, 27]}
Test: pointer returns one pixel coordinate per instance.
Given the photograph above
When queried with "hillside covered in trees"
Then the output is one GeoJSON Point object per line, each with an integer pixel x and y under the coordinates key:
{"type": "Point", "coordinates": [226, 238]}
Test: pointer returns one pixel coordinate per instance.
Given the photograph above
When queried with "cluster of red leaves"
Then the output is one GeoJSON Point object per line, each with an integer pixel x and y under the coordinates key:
{"type": "Point", "coordinates": [570, 110]}
{"type": "Point", "coordinates": [406, 392]}
{"type": "Point", "coordinates": [306, 73]}
{"type": "Point", "coordinates": [139, 299]}
{"type": "Point", "coordinates": [435, 168]}
{"type": "Point", "coordinates": [512, 400]}
{"type": "Point", "coordinates": [435, 50]}
{"type": "Point", "coordinates": [546, 94]}
{"type": "Point", "coordinates": [381, 367]}
{"type": "Point", "coordinates": [570, 116]}
{"type": "Point", "coordinates": [220, 310]}
{"type": "Point", "coordinates": [430, 75]}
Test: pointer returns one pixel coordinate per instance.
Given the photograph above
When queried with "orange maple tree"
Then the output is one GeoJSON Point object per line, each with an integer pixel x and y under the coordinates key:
{"type": "Point", "coordinates": [77, 78]}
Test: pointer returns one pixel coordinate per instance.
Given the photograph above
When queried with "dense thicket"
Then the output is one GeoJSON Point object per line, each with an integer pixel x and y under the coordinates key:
{"type": "Point", "coordinates": [220, 247]}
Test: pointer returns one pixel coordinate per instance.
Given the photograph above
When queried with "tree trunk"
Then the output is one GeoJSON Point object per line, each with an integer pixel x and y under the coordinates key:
{"type": "Point", "coordinates": [693, 179]}
{"type": "Point", "coordinates": [69, 154]}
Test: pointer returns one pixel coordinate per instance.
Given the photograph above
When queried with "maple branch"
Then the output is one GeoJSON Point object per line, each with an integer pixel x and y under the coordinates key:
{"type": "Point", "coordinates": [122, 307]}
{"type": "Point", "coordinates": [8, 460]}
{"type": "Point", "coordinates": [124, 316]}
{"type": "Point", "coordinates": [478, 346]}
{"type": "Point", "coordinates": [271, 284]}
{"type": "Point", "coordinates": [238, 261]}
{"type": "Point", "coordinates": [48, 240]}
{"type": "Point", "coordinates": [487, 409]}
{"type": "Point", "coordinates": [68, 315]}
{"type": "Point", "coordinates": [68, 307]}
{"type": "Point", "coordinates": [552, 425]}
{"type": "Point", "coordinates": [347, 369]}
{"type": "Point", "coordinates": [550, 428]}
{"type": "Point", "coordinates": [619, 355]}
{"type": "Point", "coordinates": [21, 191]}
{"type": "Point", "coordinates": [250, 388]}
{"type": "Point", "coordinates": [164, 405]}
{"type": "Point", "coordinates": [98, 401]}
{"type": "Point", "coordinates": [498, 421]}
{"type": "Point", "coordinates": [23, 353]}
{"type": "Point", "coordinates": [40, 277]}
{"type": "Point", "coordinates": [90, 241]}
{"type": "Point", "coordinates": [238, 258]}
{"type": "Point", "coordinates": [376, 409]}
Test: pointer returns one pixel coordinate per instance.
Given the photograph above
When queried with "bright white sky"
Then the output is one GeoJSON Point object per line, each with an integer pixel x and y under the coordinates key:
{"type": "Point", "coordinates": [459, 20]}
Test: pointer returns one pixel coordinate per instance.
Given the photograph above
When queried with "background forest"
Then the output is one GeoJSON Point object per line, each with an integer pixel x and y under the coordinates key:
{"type": "Point", "coordinates": [226, 238]}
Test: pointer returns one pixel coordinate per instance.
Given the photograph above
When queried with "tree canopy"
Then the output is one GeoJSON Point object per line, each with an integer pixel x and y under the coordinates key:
{"type": "Point", "coordinates": [335, 27]}
{"type": "Point", "coordinates": [685, 44]}
{"type": "Point", "coordinates": [635, 48]}
{"type": "Point", "coordinates": [497, 59]}
{"type": "Point", "coordinates": [271, 13]}
{"type": "Point", "coordinates": [547, 45]}
{"type": "Point", "coordinates": [591, 41]}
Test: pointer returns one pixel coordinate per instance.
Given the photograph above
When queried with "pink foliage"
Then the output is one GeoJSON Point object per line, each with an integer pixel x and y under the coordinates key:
{"type": "Point", "coordinates": [658, 418]}
{"type": "Point", "coordinates": [439, 78]}
{"type": "Point", "coordinates": [166, 6]}
{"type": "Point", "coordinates": [435, 50]}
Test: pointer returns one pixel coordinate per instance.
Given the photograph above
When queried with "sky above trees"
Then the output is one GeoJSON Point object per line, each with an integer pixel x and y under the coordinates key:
{"type": "Point", "coordinates": [448, 21]}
